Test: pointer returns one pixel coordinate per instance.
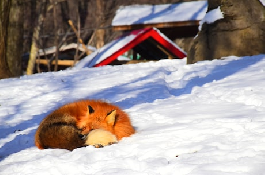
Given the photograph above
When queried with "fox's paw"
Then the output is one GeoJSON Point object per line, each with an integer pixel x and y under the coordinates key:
{"type": "Point", "coordinates": [101, 146]}
{"type": "Point", "coordinates": [111, 143]}
{"type": "Point", "coordinates": [98, 146]}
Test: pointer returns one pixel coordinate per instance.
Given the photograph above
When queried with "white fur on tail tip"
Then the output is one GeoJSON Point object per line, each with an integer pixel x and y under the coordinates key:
{"type": "Point", "coordinates": [100, 137]}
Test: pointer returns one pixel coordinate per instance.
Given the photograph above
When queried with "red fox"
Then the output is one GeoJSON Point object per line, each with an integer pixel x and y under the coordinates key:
{"type": "Point", "coordinates": [68, 126]}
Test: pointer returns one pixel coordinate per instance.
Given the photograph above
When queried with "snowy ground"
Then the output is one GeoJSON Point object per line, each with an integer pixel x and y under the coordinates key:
{"type": "Point", "coordinates": [200, 119]}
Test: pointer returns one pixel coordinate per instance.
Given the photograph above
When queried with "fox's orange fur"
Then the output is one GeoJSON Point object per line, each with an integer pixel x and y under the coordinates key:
{"type": "Point", "coordinates": [118, 124]}
{"type": "Point", "coordinates": [79, 118]}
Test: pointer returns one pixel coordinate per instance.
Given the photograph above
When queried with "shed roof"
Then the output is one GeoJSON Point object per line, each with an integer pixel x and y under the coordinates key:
{"type": "Point", "coordinates": [164, 15]}
{"type": "Point", "coordinates": [65, 47]}
{"type": "Point", "coordinates": [148, 42]}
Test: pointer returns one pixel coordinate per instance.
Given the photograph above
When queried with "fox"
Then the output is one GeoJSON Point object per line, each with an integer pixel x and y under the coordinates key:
{"type": "Point", "coordinates": [65, 135]}
{"type": "Point", "coordinates": [68, 127]}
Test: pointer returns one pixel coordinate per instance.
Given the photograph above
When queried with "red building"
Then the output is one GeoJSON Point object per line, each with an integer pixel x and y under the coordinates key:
{"type": "Point", "coordinates": [149, 43]}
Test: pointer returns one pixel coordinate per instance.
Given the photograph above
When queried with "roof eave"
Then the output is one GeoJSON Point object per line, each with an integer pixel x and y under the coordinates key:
{"type": "Point", "coordinates": [156, 25]}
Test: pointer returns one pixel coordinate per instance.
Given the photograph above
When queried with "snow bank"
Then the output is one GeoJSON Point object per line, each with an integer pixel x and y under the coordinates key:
{"type": "Point", "coordinates": [205, 118]}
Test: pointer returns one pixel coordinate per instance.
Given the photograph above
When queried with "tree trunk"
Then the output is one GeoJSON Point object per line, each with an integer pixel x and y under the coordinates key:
{"type": "Point", "coordinates": [4, 16]}
{"type": "Point", "coordinates": [56, 38]}
{"type": "Point", "coordinates": [100, 32]}
{"type": "Point", "coordinates": [241, 32]}
{"type": "Point", "coordinates": [35, 38]}
{"type": "Point", "coordinates": [15, 38]}
{"type": "Point", "coordinates": [11, 38]}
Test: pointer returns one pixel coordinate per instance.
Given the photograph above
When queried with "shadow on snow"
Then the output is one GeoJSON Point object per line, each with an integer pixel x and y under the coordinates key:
{"type": "Point", "coordinates": [151, 91]}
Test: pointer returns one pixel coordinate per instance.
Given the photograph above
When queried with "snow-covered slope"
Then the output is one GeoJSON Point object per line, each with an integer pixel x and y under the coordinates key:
{"type": "Point", "coordinates": [205, 118]}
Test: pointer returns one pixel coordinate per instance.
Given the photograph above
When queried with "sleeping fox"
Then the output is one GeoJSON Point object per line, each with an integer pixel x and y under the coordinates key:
{"type": "Point", "coordinates": [68, 126]}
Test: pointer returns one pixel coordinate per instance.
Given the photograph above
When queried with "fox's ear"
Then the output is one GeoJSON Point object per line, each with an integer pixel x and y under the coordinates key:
{"type": "Point", "coordinates": [90, 110]}
{"type": "Point", "coordinates": [111, 117]}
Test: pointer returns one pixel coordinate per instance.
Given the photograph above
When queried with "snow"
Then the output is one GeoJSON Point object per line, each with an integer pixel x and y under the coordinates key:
{"type": "Point", "coordinates": [150, 14]}
{"type": "Point", "coordinates": [212, 16]}
{"type": "Point", "coordinates": [204, 118]}
{"type": "Point", "coordinates": [263, 2]}
{"type": "Point", "coordinates": [106, 51]}
{"type": "Point", "coordinates": [111, 48]}
{"type": "Point", "coordinates": [65, 47]}
{"type": "Point", "coordinates": [123, 58]}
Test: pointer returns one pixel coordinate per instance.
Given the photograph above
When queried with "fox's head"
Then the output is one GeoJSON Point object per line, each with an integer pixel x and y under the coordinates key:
{"type": "Point", "coordinates": [99, 118]}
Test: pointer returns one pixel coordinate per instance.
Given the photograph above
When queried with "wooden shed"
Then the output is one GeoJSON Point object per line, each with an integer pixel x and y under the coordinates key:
{"type": "Point", "coordinates": [149, 43]}
{"type": "Point", "coordinates": [67, 54]}
{"type": "Point", "coordinates": [176, 21]}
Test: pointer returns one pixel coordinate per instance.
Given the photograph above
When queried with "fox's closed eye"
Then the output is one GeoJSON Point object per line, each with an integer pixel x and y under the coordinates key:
{"type": "Point", "coordinates": [82, 137]}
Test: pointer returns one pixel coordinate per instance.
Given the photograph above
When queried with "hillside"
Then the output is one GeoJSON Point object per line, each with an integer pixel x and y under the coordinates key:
{"type": "Point", "coordinates": [205, 118]}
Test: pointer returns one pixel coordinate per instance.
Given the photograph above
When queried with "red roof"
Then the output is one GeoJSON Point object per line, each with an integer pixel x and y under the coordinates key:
{"type": "Point", "coordinates": [132, 40]}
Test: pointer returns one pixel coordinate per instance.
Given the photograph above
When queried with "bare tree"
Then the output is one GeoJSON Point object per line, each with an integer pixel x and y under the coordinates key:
{"type": "Point", "coordinates": [36, 37]}
{"type": "Point", "coordinates": [15, 37]}
{"type": "Point", "coordinates": [100, 17]}
{"type": "Point", "coordinates": [11, 38]}
{"type": "Point", "coordinates": [4, 14]}
{"type": "Point", "coordinates": [56, 32]}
